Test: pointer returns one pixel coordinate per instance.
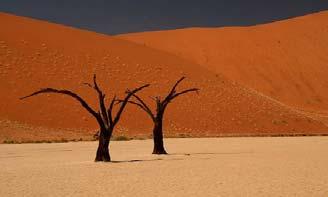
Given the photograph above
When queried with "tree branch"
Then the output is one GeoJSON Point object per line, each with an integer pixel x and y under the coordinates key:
{"type": "Point", "coordinates": [110, 110]}
{"type": "Point", "coordinates": [172, 92]}
{"type": "Point", "coordinates": [101, 98]}
{"type": "Point", "coordinates": [184, 92]}
{"type": "Point", "coordinates": [147, 109]}
{"type": "Point", "coordinates": [125, 100]}
{"type": "Point", "coordinates": [88, 84]}
{"type": "Point", "coordinates": [71, 94]}
{"type": "Point", "coordinates": [143, 107]}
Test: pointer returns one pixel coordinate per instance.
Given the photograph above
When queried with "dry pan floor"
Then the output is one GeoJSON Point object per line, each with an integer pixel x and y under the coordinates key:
{"type": "Point", "coordinates": [195, 167]}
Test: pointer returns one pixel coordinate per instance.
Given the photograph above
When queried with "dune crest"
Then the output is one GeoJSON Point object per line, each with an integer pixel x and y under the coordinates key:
{"type": "Point", "coordinates": [286, 60]}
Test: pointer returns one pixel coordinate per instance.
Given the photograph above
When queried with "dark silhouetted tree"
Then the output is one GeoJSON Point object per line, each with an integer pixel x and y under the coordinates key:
{"type": "Point", "coordinates": [158, 115]}
{"type": "Point", "coordinates": [104, 116]}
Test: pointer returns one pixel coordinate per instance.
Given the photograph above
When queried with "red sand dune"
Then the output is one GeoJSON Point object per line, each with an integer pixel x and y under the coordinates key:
{"type": "Point", "coordinates": [285, 60]}
{"type": "Point", "coordinates": [35, 54]}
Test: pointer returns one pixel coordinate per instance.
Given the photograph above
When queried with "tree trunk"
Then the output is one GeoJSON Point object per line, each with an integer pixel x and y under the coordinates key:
{"type": "Point", "coordinates": [103, 147]}
{"type": "Point", "coordinates": [158, 137]}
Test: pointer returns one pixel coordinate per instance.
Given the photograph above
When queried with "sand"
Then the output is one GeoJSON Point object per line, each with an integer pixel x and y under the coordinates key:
{"type": "Point", "coordinates": [195, 167]}
{"type": "Point", "coordinates": [35, 54]}
{"type": "Point", "coordinates": [285, 60]}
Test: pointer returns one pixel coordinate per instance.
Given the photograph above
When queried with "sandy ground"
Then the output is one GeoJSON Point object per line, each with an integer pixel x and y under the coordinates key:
{"type": "Point", "coordinates": [195, 167]}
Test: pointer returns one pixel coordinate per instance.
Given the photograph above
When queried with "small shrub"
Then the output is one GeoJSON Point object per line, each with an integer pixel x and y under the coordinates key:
{"type": "Point", "coordinates": [9, 142]}
{"type": "Point", "coordinates": [182, 135]}
{"type": "Point", "coordinates": [279, 122]}
{"type": "Point", "coordinates": [121, 138]}
{"type": "Point", "coordinates": [140, 138]}
{"type": "Point", "coordinates": [284, 122]}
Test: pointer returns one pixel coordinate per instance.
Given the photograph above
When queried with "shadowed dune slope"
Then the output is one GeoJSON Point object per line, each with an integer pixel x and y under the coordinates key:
{"type": "Point", "coordinates": [35, 54]}
{"type": "Point", "coordinates": [285, 60]}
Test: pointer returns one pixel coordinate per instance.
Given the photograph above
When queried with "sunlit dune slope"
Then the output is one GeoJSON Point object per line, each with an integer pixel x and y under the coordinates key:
{"type": "Point", "coordinates": [285, 60]}
{"type": "Point", "coordinates": [35, 54]}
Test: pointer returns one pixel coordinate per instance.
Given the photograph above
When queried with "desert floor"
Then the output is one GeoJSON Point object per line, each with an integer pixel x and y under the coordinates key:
{"type": "Point", "coordinates": [196, 167]}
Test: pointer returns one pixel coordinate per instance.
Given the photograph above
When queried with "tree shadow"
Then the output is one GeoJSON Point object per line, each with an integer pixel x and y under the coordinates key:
{"type": "Point", "coordinates": [180, 154]}
{"type": "Point", "coordinates": [11, 156]}
{"type": "Point", "coordinates": [146, 160]}
{"type": "Point", "coordinates": [212, 153]}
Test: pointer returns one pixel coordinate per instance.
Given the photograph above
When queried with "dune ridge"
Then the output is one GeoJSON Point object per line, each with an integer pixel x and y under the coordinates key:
{"type": "Point", "coordinates": [285, 60]}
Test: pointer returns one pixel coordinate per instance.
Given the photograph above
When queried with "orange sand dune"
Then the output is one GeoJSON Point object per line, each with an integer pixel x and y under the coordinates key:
{"type": "Point", "coordinates": [285, 60]}
{"type": "Point", "coordinates": [36, 54]}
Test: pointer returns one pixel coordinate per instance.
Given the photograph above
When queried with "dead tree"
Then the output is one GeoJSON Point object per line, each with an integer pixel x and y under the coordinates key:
{"type": "Point", "coordinates": [157, 116]}
{"type": "Point", "coordinates": [104, 116]}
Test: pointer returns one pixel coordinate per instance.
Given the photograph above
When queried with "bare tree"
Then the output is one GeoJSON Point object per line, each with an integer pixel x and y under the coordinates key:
{"type": "Point", "coordinates": [157, 116]}
{"type": "Point", "coordinates": [104, 116]}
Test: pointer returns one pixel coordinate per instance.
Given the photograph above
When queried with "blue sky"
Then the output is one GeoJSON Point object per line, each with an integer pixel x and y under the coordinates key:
{"type": "Point", "coordinates": [123, 16]}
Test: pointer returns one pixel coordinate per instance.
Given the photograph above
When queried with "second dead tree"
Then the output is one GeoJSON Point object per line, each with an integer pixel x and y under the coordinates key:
{"type": "Point", "coordinates": [158, 115]}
